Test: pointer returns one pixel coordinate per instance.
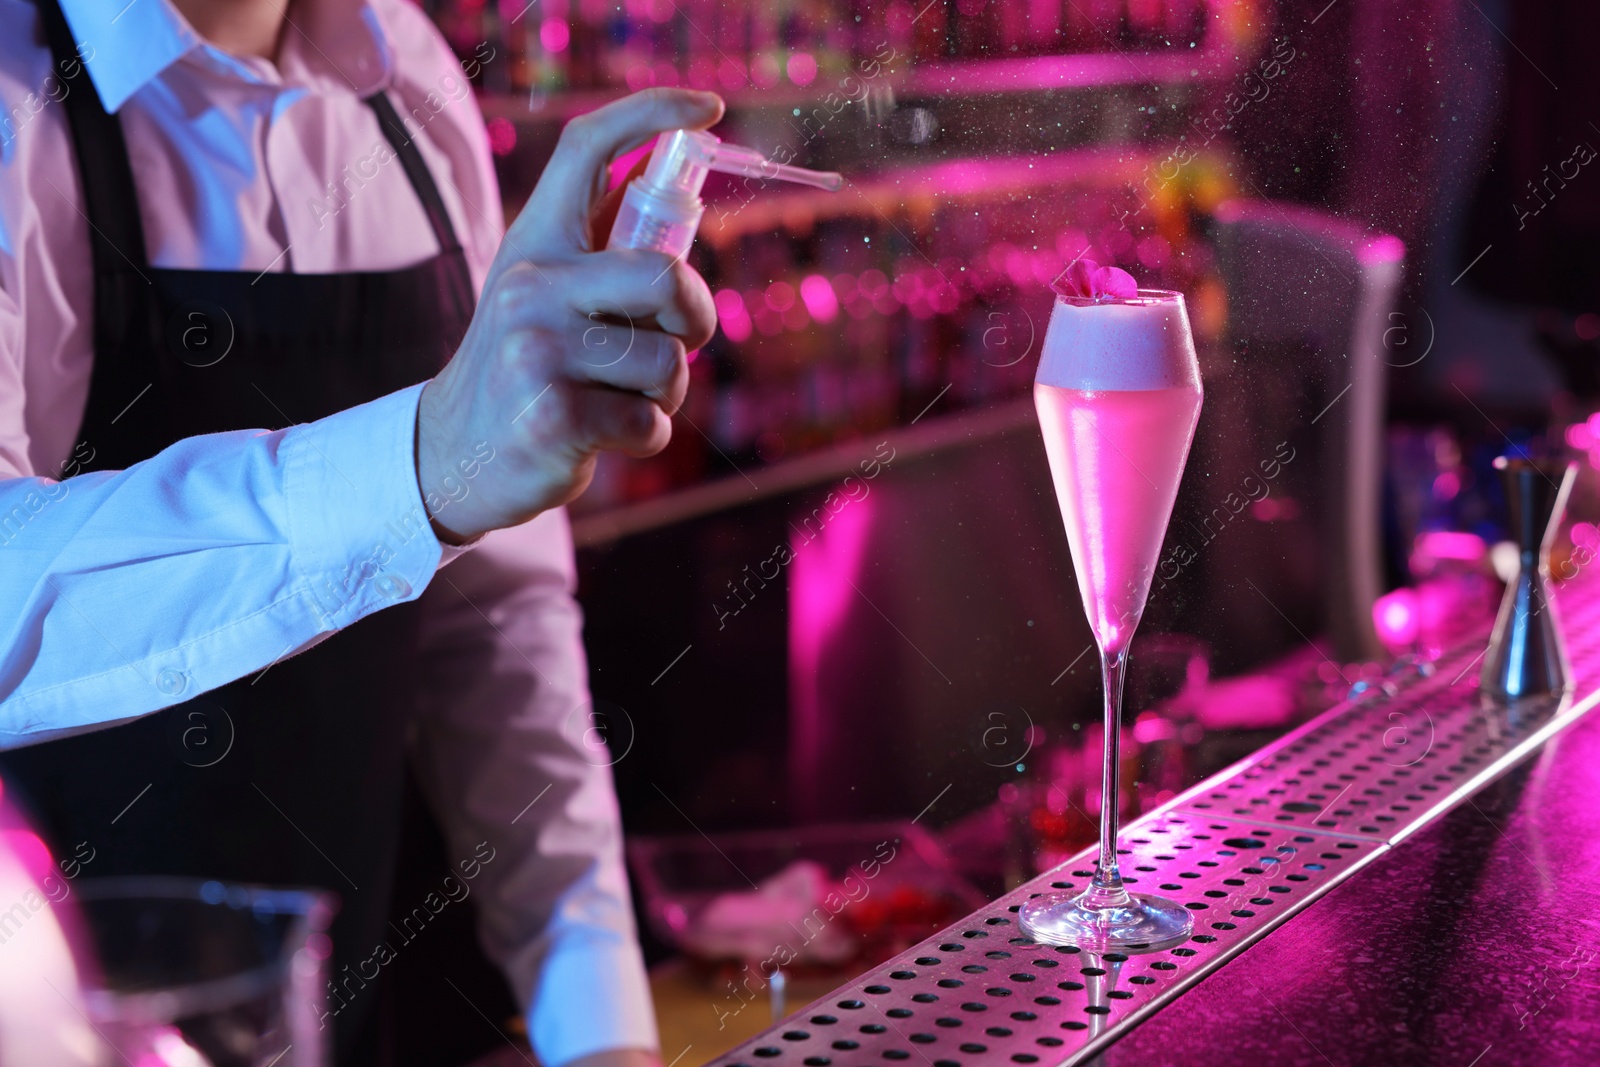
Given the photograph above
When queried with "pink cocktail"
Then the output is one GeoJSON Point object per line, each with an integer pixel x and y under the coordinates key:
{"type": "Point", "coordinates": [1118, 395]}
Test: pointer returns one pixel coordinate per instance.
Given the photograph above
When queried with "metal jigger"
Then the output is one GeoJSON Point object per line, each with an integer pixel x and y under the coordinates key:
{"type": "Point", "coordinates": [1526, 656]}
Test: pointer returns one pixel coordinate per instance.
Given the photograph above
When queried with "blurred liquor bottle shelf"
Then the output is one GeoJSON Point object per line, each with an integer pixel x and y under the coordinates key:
{"type": "Point", "coordinates": [557, 46]}
{"type": "Point", "coordinates": [838, 88]}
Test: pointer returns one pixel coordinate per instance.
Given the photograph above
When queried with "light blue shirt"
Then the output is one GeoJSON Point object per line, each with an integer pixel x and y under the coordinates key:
{"type": "Point", "coordinates": [123, 592]}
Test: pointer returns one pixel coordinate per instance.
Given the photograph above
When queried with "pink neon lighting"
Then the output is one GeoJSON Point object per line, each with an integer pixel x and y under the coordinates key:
{"type": "Point", "coordinates": [732, 74]}
{"type": "Point", "coordinates": [1397, 616]}
{"type": "Point", "coordinates": [780, 296]}
{"type": "Point", "coordinates": [829, 545]}
{"type": "Point", "coordinates": [819, 298]}
{"type": "Point", "coordinates": [26, 846]}
{"type": "Point", "coordinates": [769, 322]}
{"type": "Point", "coordinates": [735, 320]}
{"type": "Point", "coordinates": [702, 73]}
{"type": "Point", "coordinates": [624, 163]}
{"type": "Point", "coordinates": [1154, 251]}
{"type": "Point", "coordinates": [1385, 249]}
{"type": "Point", "coordinates": [802, 67]}
{"type": "Point", "coordinates": [502, 136]}
{"type": "Point", "coordinates": [1451, 544]}
{"type": "Point", "coordinates": [764, 71]}
{"type": "Point", "coordinates": [555, 35]}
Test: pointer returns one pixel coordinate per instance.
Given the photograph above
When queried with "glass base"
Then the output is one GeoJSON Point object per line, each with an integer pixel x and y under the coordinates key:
{"type": "Point", "coordinates": [1126, 923]}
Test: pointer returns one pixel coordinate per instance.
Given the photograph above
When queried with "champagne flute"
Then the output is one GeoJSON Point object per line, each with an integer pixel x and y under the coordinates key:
{"type": "Point", "coordinates": [1118, 395]}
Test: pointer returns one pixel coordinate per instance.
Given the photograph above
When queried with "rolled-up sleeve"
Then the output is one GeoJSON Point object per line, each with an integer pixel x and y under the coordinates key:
{"type": "Point", "coordinates": [510, 755]}
{"type": "Point", "coordinates": [122, 592]}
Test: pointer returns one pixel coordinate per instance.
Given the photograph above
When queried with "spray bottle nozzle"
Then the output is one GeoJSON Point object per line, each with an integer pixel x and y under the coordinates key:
{"type": "Point", "coordinates": [736, 159]}
{"type": "Point", "coordinates": [683, 158]}
{"type": "Point", "coordinates": [661, 209]}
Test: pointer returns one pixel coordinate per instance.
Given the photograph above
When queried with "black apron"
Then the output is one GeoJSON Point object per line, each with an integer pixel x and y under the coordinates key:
{"type": "Point", "coordinates": [309, 792]}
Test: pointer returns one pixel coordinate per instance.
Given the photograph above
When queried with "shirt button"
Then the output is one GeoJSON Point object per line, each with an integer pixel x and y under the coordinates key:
{"type": "Point", "coordinates": [170, 682]}
{"type": "Point", "coordinates": [393, 586]}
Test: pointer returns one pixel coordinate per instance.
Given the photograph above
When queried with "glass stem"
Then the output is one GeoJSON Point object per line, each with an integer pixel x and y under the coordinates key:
{"type": "Point", "coordinates": [1108, 879]}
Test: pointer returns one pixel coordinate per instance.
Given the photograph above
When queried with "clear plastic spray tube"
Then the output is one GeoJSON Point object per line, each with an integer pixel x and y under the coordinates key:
{"type": "Point", "coordinates": [661, 209]}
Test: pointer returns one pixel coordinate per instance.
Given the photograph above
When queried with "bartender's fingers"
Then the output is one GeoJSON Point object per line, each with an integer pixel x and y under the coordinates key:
{"type": "Point", "coordinates": [601, 418]}
{"type": "Point", "coordinates": [621, 356]}
{"type": "Point", "coordinates": [649, 289]}
{"type": "Point", "coordinates": [557, 214]}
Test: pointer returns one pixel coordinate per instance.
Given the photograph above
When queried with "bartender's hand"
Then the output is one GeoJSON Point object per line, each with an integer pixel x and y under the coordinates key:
{"type": "Point", "coordinates": [540, 376]}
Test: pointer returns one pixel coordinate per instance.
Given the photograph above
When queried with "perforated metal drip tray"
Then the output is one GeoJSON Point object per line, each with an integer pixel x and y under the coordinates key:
{"type": "Point", "coordinates": [1243, 851]}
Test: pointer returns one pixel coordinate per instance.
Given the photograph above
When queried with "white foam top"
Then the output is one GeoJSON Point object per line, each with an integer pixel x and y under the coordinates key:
{"type": "Point", "coordinates": [1141, 343]}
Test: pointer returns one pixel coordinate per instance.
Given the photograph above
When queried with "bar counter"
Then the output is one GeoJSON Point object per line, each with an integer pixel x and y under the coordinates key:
{"type": "Point", "coordinates": [1408, 878]}
{"type": "Point", "coordinates": [1474, 942]}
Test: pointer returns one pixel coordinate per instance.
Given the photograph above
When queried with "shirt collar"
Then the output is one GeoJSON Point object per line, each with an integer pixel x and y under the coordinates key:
{"type": "Point", "coordinates": [337, 45]}
{"type": "Point", "coordinates": [126, 47]}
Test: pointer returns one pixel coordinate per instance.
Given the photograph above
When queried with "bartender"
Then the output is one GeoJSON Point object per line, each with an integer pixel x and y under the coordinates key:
{"type": "Point", "coordinates": [221, 215]}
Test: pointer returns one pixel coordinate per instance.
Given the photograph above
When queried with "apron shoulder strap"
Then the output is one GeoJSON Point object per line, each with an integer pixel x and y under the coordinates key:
{"type": "Point", "coordinates": [405, 147]}
{"type": "Point", "coordinates": [115, 233]}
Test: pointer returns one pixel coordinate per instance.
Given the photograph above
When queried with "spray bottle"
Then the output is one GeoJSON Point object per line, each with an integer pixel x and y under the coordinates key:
{"type": "Point", "coordinates": [662, 208]}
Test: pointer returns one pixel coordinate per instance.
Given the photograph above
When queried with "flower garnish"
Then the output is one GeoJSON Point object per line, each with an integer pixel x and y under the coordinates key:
{"type": "Point", "coordinates": [1087, 279]}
